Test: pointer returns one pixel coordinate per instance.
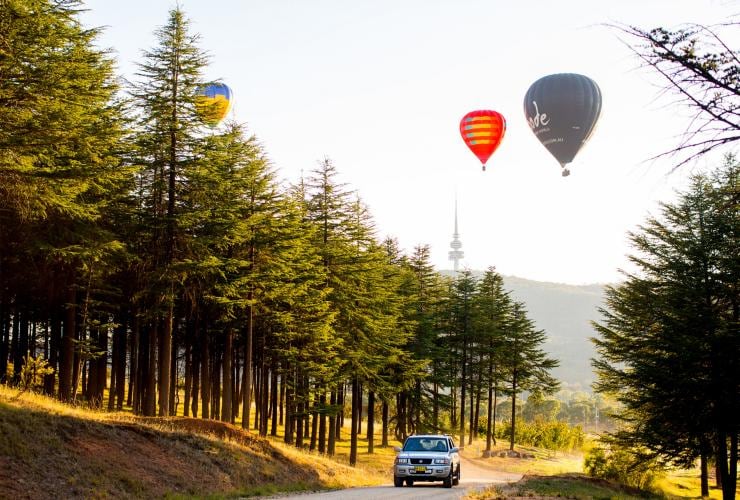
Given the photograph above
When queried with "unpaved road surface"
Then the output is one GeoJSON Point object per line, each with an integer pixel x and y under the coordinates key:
{"type": "Point", "coordinates": [474, 476]}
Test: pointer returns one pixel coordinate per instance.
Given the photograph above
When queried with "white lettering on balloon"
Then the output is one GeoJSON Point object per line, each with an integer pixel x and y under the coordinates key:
{"type": "Point", "coordinates": [539, 118]}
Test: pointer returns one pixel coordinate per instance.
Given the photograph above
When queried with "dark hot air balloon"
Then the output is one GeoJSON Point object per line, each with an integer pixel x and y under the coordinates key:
{"type": "Point", "coordinates": [562, 111]}
{"type": "Point", "coordinates": [482, 132]}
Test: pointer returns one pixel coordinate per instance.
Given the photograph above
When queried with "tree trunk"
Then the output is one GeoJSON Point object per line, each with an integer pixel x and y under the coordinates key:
{"type": "Point", "coordinates": [322, 421]}
{"type": "Point", "coordinates": [227, 389]}
{"type": "Point", "coordinates": [4, 340]}
{"type": "Point", "coordinates": [340, 414]}
{"type": "Point", "coordinates": [150, 406]}
{"type": "Point", "coordinates": [165, 354]}
{"type": "Point", "coordinates": [281, 403]}
{"type": "Point", "coordinates": [120, 372]}
{"type": "Point", "coordinates": [247, 373]}
{"type": "Point", "coordinates": [513, 409]}
{"type": "Point", "coordinates": [66, 361]}
{"type": "Point", "coordinates": [384, 439]}
{"type": "Point", "coordinates": [288, 382]}
{"type": "Point", "coordinates": [55, 342]}
{"type": "Point", "coordinates": [142, 375]}
{"type": "Point", "coordinates": [134, 368]}
{"type": "Point", "coordinates": [370, 421]}
{"type": "Point", "coordinates": [463, 383]}
{"type": "Point", "coordinates": [274, 397]}
{"type": "Point", "coordinates": [173, 394]}
{"type": "Point", "coordinates": [188, 376]}
{"type": "Point", "coordinates": [704, 474]}
{"type": "Point", "coordinates": [205, 375]}
{"type": "Point", "coordinates": [355, 417]}
{"type": "Point", "coordinates": [490, 407]}
{"type": "Point", "coordinates": [216, 384]}
{"type": "Point", "coordinates": [195, 371]}
{"type": "Point", "coordinates": [332, 438]}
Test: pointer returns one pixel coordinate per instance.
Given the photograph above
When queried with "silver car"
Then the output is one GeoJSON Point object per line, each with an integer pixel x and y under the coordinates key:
{"type": "Point", "coordinates": [427, 457]}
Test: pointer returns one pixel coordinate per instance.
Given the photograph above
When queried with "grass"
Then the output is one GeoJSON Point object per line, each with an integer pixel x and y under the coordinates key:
{"type": "Point", "coordinates": [686, 484]}
{"type": "Point", "coordinates": [52, 450]}
{"type": "Point", "coordinates": [71, 451]}
{"type": "Point", "coordinates": [574, 486]}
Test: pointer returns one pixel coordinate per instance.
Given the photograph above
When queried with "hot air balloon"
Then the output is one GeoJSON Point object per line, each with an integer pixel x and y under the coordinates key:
{"type": "Point", "coordinates": [482, 132]}
{"type": "Point", "coordinates": [213, 102]}
{"type": "Point", "coordinates": [562, 111]}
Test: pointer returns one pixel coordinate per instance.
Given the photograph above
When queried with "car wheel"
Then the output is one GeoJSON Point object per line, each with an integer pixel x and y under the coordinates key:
{"type": "Point", "coordinates": [397, 481]}
{"type": "Point", "coordinates": [456, 481]}
{"type": "Point", "coordinates": [448, 480]}
{"type": "Point", "coordinates": [409, 482]}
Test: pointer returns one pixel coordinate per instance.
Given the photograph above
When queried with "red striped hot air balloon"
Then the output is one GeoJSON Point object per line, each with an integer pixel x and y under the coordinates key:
{"type": "Point", "coordinates": [482, 132]}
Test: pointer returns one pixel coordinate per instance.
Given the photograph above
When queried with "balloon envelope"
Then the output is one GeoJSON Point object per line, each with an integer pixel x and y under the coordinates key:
{"type": "Point", "coordinates": [483, 130]}
{"type": "Point", "coordinates": [562, 111]}
{"type": "Point", "coordinates": [213, 102]}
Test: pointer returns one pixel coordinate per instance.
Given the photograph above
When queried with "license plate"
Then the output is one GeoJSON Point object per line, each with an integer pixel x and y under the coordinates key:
{"type": "Point", "coordinates": [420, 468]}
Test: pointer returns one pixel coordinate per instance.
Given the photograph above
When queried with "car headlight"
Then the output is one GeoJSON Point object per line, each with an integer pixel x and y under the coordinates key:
{"type": "Point", "coordinates": [402, 460]}
{"type": "Point", "coordinates": [442, 461]}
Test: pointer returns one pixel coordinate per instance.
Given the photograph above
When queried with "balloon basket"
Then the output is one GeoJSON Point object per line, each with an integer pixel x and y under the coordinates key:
{"type": "Point", "coordinates": [566, 172]}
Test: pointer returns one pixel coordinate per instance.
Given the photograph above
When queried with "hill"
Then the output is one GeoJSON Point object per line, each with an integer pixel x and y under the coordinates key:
{"type": "Point", "coordinates": [564, 312]}
{"type": "Point", "coordinates": [49, 450]}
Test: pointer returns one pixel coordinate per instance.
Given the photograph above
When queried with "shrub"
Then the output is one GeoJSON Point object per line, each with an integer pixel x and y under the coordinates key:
{"type": "Point", "coordinates": [621, 465]}
{"type": "Point", "coordinates": [556, 436]}
{"type": "Point", "coordinates": [33, 372]}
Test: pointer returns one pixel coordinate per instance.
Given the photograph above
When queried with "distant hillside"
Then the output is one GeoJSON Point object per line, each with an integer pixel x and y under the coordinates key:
{"type": "Point", "coordinates": [564, 312]}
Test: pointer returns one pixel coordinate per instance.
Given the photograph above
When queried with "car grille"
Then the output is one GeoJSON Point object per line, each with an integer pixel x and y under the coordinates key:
{"type": "Point", "coordinates": [421, 461]}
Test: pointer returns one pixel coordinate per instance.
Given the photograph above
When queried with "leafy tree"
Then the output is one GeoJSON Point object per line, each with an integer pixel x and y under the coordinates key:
{"type": "Point", "coordinates": [669, 343]}
{"type": "Point", "coordinates": [703, 71]}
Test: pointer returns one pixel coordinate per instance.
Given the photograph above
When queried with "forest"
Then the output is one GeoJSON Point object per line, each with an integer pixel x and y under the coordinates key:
{"type": "Point", "coordinates": [153, 261]}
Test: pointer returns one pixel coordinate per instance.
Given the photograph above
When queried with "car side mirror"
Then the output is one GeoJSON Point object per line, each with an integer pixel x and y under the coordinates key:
{"type": "Point", "coordinates": [455, 450]}
{"type": "Point", "coordinates": [397, 449]}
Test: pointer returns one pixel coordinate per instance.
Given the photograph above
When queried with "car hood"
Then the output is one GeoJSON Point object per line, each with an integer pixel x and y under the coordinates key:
{"type": "Point", "coordinates": [415, 454]}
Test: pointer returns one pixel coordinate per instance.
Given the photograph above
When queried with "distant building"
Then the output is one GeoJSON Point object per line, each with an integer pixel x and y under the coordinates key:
{"type": "Point", "coordinates": [456, 254]}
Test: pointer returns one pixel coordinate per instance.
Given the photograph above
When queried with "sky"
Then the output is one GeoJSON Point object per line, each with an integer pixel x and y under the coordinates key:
{"type": "Point", "coordinates": [380, 86]}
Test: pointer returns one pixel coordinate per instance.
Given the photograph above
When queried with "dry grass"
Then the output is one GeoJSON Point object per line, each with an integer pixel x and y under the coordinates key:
{"type": "Point", "coordinates": [575, 486]}
{"type": "Point", "coordinates": [52, 450]}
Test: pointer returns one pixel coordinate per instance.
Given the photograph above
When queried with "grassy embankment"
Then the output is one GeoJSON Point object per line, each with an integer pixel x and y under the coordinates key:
{"type": "Point", "coordinates": [51, 450]}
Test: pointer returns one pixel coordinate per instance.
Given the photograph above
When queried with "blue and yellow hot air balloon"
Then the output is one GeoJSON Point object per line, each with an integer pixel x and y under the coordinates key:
{"type": "Point", "coordinates": [213, 102]}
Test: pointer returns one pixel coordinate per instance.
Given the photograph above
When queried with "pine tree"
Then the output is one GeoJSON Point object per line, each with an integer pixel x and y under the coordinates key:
{"type": "Point", "coordinates": [669, 343]}
{"type": "Point", "coordinates": [168, 130]}
{"type": "Point", "coordinates": [60, 129]}
{"type": "Point", "coordinates": [526, 364]}
{"type": "Point", "coordinates": [492, 320]}
{"type": "Point", "coordinates": [460, 337]}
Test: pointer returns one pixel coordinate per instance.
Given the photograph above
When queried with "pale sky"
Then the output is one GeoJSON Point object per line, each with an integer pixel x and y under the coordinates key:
{"type": "Point", "coordinates": [380, 87]}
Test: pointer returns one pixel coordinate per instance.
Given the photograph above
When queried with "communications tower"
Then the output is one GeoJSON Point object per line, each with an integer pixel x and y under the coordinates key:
{"type": "Point", "coordinates": [456, 254]}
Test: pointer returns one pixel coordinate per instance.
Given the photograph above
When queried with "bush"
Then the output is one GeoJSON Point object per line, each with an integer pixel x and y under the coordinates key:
{"type": "Point", "coordinates": [556, 436]}
{"type": "Point", "coordinates": [621, 465]}
{"type": "Point", "coordinates": [33, 372]}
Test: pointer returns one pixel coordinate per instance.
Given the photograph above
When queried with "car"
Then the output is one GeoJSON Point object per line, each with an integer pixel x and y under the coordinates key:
{"type": "Point", "coordinates": [427, 457]}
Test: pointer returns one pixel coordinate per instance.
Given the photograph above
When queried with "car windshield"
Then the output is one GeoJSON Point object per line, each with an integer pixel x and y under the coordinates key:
{"type": "Point", "coordinates": [425, 444]}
